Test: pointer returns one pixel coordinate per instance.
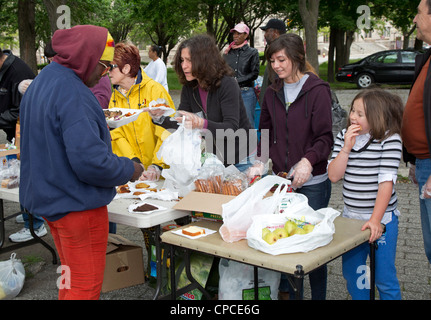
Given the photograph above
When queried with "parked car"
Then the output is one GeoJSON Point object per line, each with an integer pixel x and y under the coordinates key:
{"type": "Point", "coordinates": [390, 67]}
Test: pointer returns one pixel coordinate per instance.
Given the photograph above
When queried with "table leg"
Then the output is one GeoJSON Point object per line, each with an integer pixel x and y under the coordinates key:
{"type": "Point", "coordinates": [373, 248]}
{"type": "Point", "coordinates": [173, 280]}
{"type": "Point", "coordinates": [2, 229]}
{"type": "Point", "coordinates": [158, 245]}
{"type": "Point", "coordinates": [193, 282]}
{"type": "Point", "coordinates": [298, 279]}
{"type": "Point", "coordinates": [39, 240]}
{"type": "Point", "coordinates": [256, 283]}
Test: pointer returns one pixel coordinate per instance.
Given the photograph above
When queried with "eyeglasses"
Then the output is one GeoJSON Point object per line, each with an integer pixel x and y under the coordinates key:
{"type": "Point", "coordinates": [113, 66]}
{"type": "Point", "coordinates": [107, 68]}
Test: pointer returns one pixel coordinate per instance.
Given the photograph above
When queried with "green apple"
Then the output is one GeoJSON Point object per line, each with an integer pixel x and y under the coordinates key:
{"type": "Point", "coordinates": [289, 226]}
{"type": "Point", "coordinates": [281, 233]}
{"type": "Point", "coordinates": [265, 231]}
{"type": "Point", "coordinates": [270, 238]}
{"type": "Point", "coordinates": [308, 228]}
{"type": "Point", "coordinates": [298, 230]}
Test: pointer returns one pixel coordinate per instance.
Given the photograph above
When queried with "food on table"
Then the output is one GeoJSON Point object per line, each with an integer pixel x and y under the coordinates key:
{"type": "Point", "coordinates": [117, 115]}
{"type": "Point", "coordinates": [193, 231]}
{"type": "Point", "coordinates": [145, 207]}
{"type": "Point", "coordinates": [141, 185]}
{"type": "Point", "coordinates": [290, 228]}
{"type": "Point", "coordinates": [123, 189]}
{"type": "Point", "coordinates": [138, 193]}
{"type": "Point", "coordinates": [216, 184]}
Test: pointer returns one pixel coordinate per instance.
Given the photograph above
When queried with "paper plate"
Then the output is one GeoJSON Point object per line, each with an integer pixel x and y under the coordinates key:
{"type": "Point", "coordinates": [116, 123]}
{"type": "Point", "coordinates": [167, 111]}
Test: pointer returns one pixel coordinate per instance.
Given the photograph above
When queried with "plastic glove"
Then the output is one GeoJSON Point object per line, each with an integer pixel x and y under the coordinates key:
{"type": "Point", "coordinates": [23, 85]}
{"type": "Point", "coordinates": [155, 115]}
{"type": "Point", "coordinates": [191, 120]}
{"type": "Point", "coordinates": [151, 174]}
{"type": "Point", "coordinates": [258, 169]}
{"type": "Point", "coordinates": [426, 189]}
{"type": "Point", "coordinates": [301, 173]}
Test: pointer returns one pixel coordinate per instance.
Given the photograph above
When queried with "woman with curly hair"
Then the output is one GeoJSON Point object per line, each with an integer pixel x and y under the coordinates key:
{"type": "Point", "coordinates": [211, 100]}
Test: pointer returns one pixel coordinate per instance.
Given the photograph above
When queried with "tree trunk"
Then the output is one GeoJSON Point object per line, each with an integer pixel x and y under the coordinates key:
{"type": "Point", "coordinates": [27, 32]}
{"type": "Point", "coordinates": [350, 37]}
{"type": "Point", "coordinates": [331, 71]}
{"type": "Point", "coordinates": [339, 48]}
{"type": "Point", "coordinates": [51, 9]}
{"type": "Point", "coordinates": [309, 10]}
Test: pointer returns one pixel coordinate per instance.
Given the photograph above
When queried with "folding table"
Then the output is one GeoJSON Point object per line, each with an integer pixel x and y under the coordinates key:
{"type": "Point", "coordinates": [348, 235]}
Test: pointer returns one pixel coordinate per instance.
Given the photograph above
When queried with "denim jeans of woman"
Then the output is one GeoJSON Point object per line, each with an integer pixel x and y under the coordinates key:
{"type": "Point", "coordinates": [318, 197]}
{"type": "Point", "coordinates": [250, 100]}
{"type": "Point", "coordinates": [423, 171]}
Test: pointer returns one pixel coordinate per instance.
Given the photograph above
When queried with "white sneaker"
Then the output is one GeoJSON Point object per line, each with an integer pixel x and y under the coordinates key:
{"type": "Point", "coordinates": [19, 218]}
{"type": "Point", "coordinates": [24, 234]}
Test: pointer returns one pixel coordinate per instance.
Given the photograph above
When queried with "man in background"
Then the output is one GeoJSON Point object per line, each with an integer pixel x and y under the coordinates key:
{"type": "Point", "coordinates": [273, 29]}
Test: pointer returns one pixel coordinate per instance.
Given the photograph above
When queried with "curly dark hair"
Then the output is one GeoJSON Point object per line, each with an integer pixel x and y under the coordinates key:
{"type": "Point", "coordinates": [208, 65]}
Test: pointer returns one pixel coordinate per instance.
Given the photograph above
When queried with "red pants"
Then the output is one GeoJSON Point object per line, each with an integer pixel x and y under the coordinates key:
{"type": "Point", "coordinates": [81, 239]}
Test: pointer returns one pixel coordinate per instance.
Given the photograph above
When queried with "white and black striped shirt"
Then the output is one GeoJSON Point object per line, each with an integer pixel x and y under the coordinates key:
{"type": "Point", "coordinates": [369, 164]}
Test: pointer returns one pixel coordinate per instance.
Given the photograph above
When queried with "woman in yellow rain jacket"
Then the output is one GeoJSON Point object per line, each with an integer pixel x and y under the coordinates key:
{"type": "Point", "coordinates": [133, 89]}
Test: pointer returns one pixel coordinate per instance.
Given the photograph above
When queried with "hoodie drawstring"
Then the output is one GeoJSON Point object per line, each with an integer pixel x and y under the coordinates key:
{"type": "Point", "coordinates": [273, 118]}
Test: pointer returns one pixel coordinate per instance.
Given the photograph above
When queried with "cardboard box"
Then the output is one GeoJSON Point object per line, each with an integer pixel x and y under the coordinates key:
{"type": "Point", "coordinates": [124, 264]}
{"type": "Point", "coordinates": [207, 206]}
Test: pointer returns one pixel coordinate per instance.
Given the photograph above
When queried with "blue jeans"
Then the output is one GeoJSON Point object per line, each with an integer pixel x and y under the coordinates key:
{"type": "Point", "coordinates": [246, 163]}
{"type": "Point", "coordinates": [354, 267]}
{"type": "Point", "coordinates": [423, 171]}
{"type": "Point", "coordinates": [318, 197]}
{"type": "Point", "coordinates": [250, 100]}
{"type": "Point", "coordinates": [37, 221]}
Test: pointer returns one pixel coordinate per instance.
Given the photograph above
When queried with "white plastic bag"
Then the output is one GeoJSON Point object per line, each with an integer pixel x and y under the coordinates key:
{"type": "Point", "coordinates": [182, 152]}
{"type": "Point", "coordinates": [322, 234]}
{"type": "Point", "coordinates": [237, 214]}
{"type": "Point", "coordinates": [237, 282]}
{"type": "Point", "coordinates": [12, 275]}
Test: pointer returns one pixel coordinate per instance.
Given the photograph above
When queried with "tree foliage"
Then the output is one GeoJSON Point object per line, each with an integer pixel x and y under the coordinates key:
{"type": "Point", "coordinates": [166, 22]}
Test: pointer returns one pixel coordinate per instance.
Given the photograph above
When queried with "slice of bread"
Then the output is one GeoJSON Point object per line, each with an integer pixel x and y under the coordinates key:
{"type": "Point", "coordinates": [193, 231]}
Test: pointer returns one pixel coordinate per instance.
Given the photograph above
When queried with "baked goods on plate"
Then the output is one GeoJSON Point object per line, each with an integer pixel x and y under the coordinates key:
{"type": "Point", "coordinates": [193, 231]}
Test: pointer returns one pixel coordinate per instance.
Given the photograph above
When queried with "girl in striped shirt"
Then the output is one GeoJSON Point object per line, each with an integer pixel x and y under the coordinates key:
{"type": "Point", "coordinates": [366, 156]}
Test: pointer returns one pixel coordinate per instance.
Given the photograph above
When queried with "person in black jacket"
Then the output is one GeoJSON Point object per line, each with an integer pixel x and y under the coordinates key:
{"type": "Point", "coordinates": [12, 71]}
{"type": "Point", "coordinates": [211, 101]}
{"type": "Point", "coordinates": [244, 60]}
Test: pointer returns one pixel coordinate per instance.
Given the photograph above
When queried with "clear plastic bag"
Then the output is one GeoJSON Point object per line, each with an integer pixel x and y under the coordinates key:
{"type": "Point", "coordinates": [238, 213]}
{"type": "Point", "coordinates": [182, 152]}
{"type": "Point", "coordinates": [237, 282]}
{"type": "Point", "coordinates": [9, 177]}
{"type": "Point", "coordinates": [12, 275]}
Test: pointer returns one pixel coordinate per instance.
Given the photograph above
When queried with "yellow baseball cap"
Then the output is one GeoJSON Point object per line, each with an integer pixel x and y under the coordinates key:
{"type": "Point", "coordinates": [108, 54]}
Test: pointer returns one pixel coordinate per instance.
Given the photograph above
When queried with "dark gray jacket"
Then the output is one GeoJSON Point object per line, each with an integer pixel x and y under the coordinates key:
{"type": "Point", "coordinates": [226, 118]}
{"type": "Point", "coordinates": [13, 71]}
{"type": "Point", "coordinates": [245, 63]}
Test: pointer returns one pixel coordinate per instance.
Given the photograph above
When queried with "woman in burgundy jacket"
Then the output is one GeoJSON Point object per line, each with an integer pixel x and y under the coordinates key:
{"type": "Point", "coordinates": [296, 129]}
